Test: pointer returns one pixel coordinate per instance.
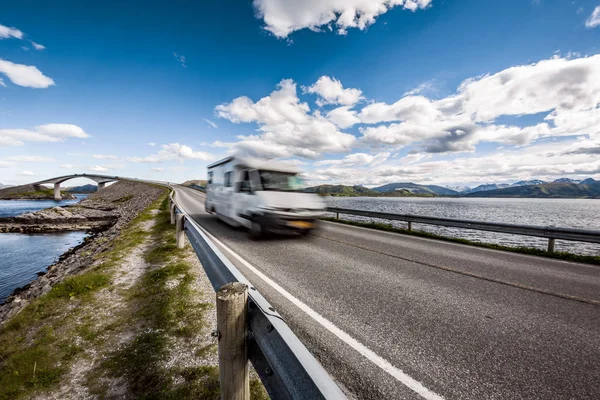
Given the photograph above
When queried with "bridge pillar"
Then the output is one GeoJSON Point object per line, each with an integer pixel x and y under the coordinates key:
{"type": "Point", "coordinates": [57, 191]}
{"type": "Point", "coordinates": [101, 186]}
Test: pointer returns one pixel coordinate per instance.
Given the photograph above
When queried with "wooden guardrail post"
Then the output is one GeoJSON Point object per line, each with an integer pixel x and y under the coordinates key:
{"type": "Point", "coordinates": [179, 234]}
{"type": "Point", "coordinates": [172, 207]}
{"type": "Point", "coordinates": [337, 216]}
{"type": "Point", "coordinates": [551, 245]}
{"type": "Point", "coordinates": [232, 325]}
{"type": "Point", "coordinates": [410, 226]}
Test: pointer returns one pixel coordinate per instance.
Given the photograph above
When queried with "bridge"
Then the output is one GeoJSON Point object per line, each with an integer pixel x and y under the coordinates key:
{"type": "Point", "coordinates": [101, 180]}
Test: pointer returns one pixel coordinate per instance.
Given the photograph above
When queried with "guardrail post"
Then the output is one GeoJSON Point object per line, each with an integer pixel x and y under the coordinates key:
{"type": "Point", "coordinates": [551, 244]}
{"type": "Point", "coordinates": [410, 226]}
{"type": "Point", "coordinates": [179, 234]}
{"type": "Point", "coordinates": [337, 216]}
{"type": "Point", "coordinates": [172, 207]}
{"type": "Point", "coordinates": [232, 322]}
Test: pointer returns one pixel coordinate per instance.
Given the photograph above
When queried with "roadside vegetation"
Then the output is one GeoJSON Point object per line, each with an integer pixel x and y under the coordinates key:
{"type": "Point", "coordinates": [523, 250]}
{"type": "Point", "coordinates": [134, 325]}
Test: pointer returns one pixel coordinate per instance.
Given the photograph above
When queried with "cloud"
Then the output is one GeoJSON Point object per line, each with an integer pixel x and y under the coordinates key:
{"type": "Point", "coordinates": [331, 91]}
{"type": "Point", "coordinates": [158, 169]}
{"type": "Point", "coordinates": [104, 157]}
{"type": "Point", "coordinates": [38, 46]}
{"type": "Point", "coordinates": [151, 144]}
{"type": "Point", "coordinates": [174, 151]}
{"type": "Point", "coordinates": [98, 168]}
{"type": "Point", "coordinates": [2, 82]}
{"type": "Point", "coordinates": [26, 173]}
{"type": "Point", "coordinates": [343, 117]}
{"type": "Point", "coordinates": [286, 126]}
{"type": "Point", "coordinates": [30, 159]}
{"type": "Point", "coordinates": [68, 166]}
{"type": "Point", "coordinates": [181, 59]}
{"type": "Point", "coordinates": [594, 19]}
{"type": "Point", "coordinates": [41, 133]}
{"type": "Point", "coordinates": [7, 32]}
{"type": "Point", "coordinates": [282, 17]}
{"type": "Point", "coordinates": [25, 75]}
{"type": "Point", "coordinates": [357, 159]}
{"type": "Point", "coordinates": [210, 123]}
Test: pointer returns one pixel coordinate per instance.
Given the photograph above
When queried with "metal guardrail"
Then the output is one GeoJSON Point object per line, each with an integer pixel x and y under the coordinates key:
{"type": "Point", "coordinates": [286, 368]}
{"type": "Point", "coordinates": [549, 232]}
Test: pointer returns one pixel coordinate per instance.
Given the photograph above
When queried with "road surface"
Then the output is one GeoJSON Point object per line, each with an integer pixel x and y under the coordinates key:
{"type": "Point", "coordinates": [414, 318]}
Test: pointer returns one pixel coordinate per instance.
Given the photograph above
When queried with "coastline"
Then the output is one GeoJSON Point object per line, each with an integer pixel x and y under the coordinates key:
{"type": "Point", "coordinates": [109, 212]}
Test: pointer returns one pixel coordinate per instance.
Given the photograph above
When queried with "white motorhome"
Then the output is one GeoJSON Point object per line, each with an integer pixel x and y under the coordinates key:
{"type": "Point", "coordinates": [264, 196]}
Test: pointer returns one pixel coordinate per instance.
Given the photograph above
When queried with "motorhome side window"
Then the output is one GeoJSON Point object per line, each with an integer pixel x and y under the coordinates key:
{"type": "Point", "coordinates": [245, 182]}
{"type": "Point", "coordinates": [210, 174]}
{"type": "Point", "coordinates": [227, 178]}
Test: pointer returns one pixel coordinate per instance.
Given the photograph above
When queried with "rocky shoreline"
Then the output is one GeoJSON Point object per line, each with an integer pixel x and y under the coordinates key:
{"type": "Point", "coordinates": [103, 214]}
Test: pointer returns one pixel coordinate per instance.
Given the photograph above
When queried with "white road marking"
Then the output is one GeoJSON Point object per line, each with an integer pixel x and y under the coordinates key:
{"type": "Point", "coordinates": [382, 363]}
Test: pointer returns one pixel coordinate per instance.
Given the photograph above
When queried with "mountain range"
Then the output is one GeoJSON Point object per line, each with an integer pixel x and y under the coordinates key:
{"type": "Point", "coordinates": [2, 186]}
{"type": "Point", "coordinates": [559, 188]}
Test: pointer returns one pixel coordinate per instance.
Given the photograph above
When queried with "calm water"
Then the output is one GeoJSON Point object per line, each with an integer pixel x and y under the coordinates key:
{"type": "Point", "coordinates": [10, 208]}
{"type": "Point", "coordinates": [564, 213]}
{"type": "Point", "coordinates": [22, 256]}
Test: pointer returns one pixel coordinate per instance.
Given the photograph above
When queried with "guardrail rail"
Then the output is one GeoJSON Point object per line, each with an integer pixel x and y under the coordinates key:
{"type": "Point", "coordinates": [549, 232]}
{"type": "Point", "coordinates": [285, 366]}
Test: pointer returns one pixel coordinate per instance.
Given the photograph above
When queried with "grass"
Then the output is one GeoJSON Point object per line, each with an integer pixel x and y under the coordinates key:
{"type": "Point", "coordinates": [37, 344]}
{"type": "Point", "coordinates": [163, 307]}
{"type": "Point", "coordinates": [523, 250]}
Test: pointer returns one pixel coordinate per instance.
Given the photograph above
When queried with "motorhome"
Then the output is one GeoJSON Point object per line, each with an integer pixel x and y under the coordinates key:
{"type": "Point", "coordinates": [263, 196]}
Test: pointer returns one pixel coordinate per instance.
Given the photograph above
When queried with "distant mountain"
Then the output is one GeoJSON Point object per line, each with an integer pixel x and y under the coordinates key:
{"type": "Point", "coordinates": [197, 182]}
{"type": "Point", "coordinates": [341, 190]}
{"type": "Point", "coordinates": [486, 187]}
{"type": "Point", "coordinates": [83, 189]}
{"type": "Point", "coordinates": [459, 188]}
{"type": "Point", "coordinates": [589, 189]}
{"type": "Point", "coordinates": [567, 180]}
{"type": "Point", "coordinates": [527, 183]}
{"type": "Point", "coordinates": [2, 186]}
{"type": "Point", "coordinates": [416, 189]}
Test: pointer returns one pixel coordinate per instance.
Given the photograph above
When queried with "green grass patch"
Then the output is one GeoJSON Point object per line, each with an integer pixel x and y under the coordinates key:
{"type": "Point", "coordinates": [37, 344]}
{"type": "Point", "coordinates": [523, 250]}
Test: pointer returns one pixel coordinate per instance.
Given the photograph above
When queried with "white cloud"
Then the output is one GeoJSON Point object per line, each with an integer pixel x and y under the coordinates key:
{"type": "Point", "coordinates": [98, 168]}
{"type": "Point", "coordinates": [357, 159]}
{"type": "Point", "coordinates": [26, 173]}
{"type": "Point", "coordinates": [30, 159]}
{"type": "Point", "coordinates": [5, 164]}
{"type": "Point", "coordinates": [38, 46]}
{"type": "Point", "coordinates": [151, 144]}
{"type": "Point", "coordinates": [104, 157]}
{"type": "Point", "coordinates": [343, 117]}
{"type": "Point", "coordinates": [286, 126]}
{"type": "Point", "coordinates": [594, 19]}
{"type": "Point", "coordinates": [25, 75]}
{"type": "Point", "coordinates": [181, 59]}
{"type": "Point", "coordinates": [158, 169]}
{"type": "Point", "coordinates": [7, 32]}
{"type": "Point", "coordinates": [2, 82]}
{"type": "Point", "coordinates": [41, 133]}
{"type": "Point", "coordinates": [68, 166]}
{"type": "Point", "coordinates": [331, 91]}
{"type": "Point", "coordinates": [210, 123]}
{"type": "Point", "coordinates": [174, 151]}
{"type": "Point", "coordinates": [283, 17]}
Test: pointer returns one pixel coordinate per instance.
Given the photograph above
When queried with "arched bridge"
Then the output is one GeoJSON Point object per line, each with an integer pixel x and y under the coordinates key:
{"type": "Point", "coordinates": [101, 180]}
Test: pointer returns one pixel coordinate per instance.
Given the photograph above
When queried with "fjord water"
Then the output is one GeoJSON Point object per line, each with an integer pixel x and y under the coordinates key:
{"type": "Point", "coordinates": [564, 213]}
{"type": "Point", "coordinates": [23, 256]}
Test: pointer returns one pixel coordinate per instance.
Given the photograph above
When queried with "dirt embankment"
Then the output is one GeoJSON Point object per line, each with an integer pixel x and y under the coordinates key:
{"type": "Point", "coordinates": [31, 192]}
{"type": "Point", "coordinates": [103, 214]}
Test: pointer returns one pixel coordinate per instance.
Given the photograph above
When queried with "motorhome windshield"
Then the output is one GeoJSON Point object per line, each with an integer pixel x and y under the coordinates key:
{"type": "Point", "coordinates": [280, 181]}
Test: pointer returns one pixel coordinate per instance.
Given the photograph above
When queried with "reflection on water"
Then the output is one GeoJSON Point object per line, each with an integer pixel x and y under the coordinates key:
{"type": "Point", "coordinates": [25, 255]}
{"type": "Point", "coordinates": [564, 213]}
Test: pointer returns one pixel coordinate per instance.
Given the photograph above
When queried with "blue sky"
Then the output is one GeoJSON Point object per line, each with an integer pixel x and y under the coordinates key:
{"type": "Point", "coordinates": [434, 91]}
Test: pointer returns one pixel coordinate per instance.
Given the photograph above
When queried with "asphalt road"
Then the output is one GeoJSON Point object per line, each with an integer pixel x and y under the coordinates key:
{"type": "Point", "coordinates": [465, 322]}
